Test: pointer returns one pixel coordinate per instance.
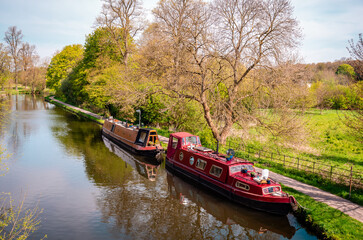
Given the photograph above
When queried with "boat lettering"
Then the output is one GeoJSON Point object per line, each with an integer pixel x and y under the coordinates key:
{"type": "Point", "coordinates": [271, 190]}
{"type": "Point", "coordinates": [242, 186]}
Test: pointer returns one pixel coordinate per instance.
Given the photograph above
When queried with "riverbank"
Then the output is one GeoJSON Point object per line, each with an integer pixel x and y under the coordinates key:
{"type": "Point", "coordinates": [324, 214]}
{"type": "Point", "coordinates": [79, 111]}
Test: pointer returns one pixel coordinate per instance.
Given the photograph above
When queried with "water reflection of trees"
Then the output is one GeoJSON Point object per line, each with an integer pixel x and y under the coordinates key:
{"type": "Point", "coordinates": [20, 118]}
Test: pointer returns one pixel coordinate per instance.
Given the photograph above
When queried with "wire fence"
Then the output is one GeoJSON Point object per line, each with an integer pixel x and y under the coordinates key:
{"type": "Point", "coordinates": [340, 174]}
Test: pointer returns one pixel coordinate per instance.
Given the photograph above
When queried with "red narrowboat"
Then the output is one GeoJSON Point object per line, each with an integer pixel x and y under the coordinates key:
{"type": "Point", "coordinates": [229, 176]}
{"type": "Point", "coordinates": [142, 141]}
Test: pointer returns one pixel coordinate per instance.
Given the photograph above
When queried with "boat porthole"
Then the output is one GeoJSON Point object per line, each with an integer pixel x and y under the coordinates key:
{"type": "Point", "coordinates": [181, 156]}
{"type": "Point", "coordinates": [191, 160]}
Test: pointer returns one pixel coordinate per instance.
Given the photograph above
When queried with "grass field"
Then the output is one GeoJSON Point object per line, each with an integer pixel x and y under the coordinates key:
{"type": "Point", "coordinates": [333, 140]}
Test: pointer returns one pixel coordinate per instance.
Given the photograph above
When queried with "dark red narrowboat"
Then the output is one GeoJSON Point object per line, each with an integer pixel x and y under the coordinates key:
{"type": "Point", "coordinates": [229, 176]}
{"type": "Point", "coordinates": [142, 141]}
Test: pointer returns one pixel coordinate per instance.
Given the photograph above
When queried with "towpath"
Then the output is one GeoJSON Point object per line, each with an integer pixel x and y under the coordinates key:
{"type": "Point", "coordinates": [353, 210]}
{"type": "Point", "coordinates": [77, 108]}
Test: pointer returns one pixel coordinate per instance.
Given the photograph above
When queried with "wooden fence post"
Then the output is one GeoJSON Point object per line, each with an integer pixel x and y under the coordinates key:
{"type": "Point", "coordinates": [297, 163]}
{"type": "Point", "coordinates": [313, 167]}
{"type": "Point", "coordinates": [259, 153]}
{"type": "Point", "coordinates": [350, 182]}
{"type": "Point", "coordinates": [331, 171]}
{"type": "Point", "coordinates": [284, 160]}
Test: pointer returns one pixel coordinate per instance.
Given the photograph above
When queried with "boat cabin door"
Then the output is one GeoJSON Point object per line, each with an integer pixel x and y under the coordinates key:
{"type": "Point", "coordinates": [174, 144]}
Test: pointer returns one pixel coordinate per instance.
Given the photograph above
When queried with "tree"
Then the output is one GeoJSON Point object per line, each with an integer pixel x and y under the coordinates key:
{"type": "Point", "coordinates": [122, 19]}
{"type": "Point", "coordinates": [347, 70]}
{"type": "Point", "coordinates": [217, 46]}
{"type": "Point", "coordinates": [62, 64]}
{"type": "Point", "coordinates": [27, 57]}
{"type": "Point", "coordinates": [4, 65]}
{"type": "Point", "coordinates": [37, 77]}
{"type": "Point", "coordinates": [356, 50]}
{"type": "Point", "coordinates": [354, 119]}
{"type": "Point", "coordinates": [13, 38]}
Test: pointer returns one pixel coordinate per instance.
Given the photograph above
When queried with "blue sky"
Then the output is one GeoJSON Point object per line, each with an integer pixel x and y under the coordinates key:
{"type": "Point", "coordinates": [52, 24]}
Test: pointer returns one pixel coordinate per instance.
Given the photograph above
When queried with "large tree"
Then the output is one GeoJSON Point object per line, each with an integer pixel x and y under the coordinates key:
{"type": "Point", "coordinates": [27, 59]}
{"type": "Point", "coordinates": [62, 64]}
{"type": "Point", "coordinates": [13, 37]}
{"type": "Point", "coordinates": [217, 46]}
{"type": "Point", "coordinates": [122, 19]}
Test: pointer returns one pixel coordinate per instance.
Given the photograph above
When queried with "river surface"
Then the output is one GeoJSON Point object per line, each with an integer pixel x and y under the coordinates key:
{"type": "Point", "coordinates": [89, 188]}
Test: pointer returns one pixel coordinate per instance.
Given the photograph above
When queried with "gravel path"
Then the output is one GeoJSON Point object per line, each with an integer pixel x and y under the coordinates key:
{"type": "Point", "coordinates": [353, 210]}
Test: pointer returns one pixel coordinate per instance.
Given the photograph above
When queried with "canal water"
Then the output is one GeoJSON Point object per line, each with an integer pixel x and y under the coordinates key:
{"type": "Point", "coordinates": [90, 188]}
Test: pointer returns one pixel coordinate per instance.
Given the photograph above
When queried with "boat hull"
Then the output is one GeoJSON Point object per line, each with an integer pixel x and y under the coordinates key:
{"type": "Point", "coordinates": [227, 191]}
{"type": "Point", "coordinates": [146, 153]}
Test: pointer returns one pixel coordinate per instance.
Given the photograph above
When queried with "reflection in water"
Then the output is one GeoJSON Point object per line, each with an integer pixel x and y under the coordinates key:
{"type": "Point", "coordinates": [139, 163]}
{"type": "Point", "coordinates": [90, 188]}
{"type": "Point", "coordinates": [227, 212]}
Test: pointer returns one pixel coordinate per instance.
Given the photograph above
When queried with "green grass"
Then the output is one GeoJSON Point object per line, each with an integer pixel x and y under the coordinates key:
{"type": "Point", "coordinates": [163, 132]}
{"type": "Point", "coordinates": [332, 138]}
{"type": "Point", "coordinates": [325, 221]}
{"type": "Point", "coordinates": [329, 141]}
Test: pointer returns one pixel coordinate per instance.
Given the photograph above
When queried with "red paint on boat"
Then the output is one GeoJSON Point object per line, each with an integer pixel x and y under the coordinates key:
{"type": "Point", "coordinates": [232, 177]}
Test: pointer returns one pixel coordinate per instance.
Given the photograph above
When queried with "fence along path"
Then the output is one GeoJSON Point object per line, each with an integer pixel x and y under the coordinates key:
{"type": "Point", "coordinates": [338, 174]}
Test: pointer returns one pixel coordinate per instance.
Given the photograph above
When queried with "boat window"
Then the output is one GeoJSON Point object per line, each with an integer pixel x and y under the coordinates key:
{"type": "Point", "coordinates": [191, 140]}
{"type": "Point", "coordinates": [152, 140]}
{"type": "Point", "coordinates": [201, 164]}
{"type": "Point", "coordinates": [238, 168]}
{"type": "Point", "coordinates": [216, 171]}
{"type": "Point", "coordinates": [142, 137]}
{"type": "Point", "coordinates": [113, 127]}
{"type": "Point", "coordinates": [191, 160]}
{"type": "Point", "coordinates": [242, 186]}
{"type": "Point", "coordinates": [175, 142]}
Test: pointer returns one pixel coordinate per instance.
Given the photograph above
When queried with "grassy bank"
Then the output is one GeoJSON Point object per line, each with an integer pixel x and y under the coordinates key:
{"type": "Point", "coordinates": [325, 221]}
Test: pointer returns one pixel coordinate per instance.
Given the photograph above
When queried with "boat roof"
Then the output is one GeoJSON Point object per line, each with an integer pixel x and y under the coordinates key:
{"type": "Point", "coordinates": [181, 134]}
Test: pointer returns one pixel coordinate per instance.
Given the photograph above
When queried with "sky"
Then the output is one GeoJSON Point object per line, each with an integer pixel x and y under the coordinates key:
{"type": "Point", "coordinates": [327, 25]}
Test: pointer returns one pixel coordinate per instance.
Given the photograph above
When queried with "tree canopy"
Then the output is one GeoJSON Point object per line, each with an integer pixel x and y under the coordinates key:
{"type": "Point", "coordinates": [62, 64]}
